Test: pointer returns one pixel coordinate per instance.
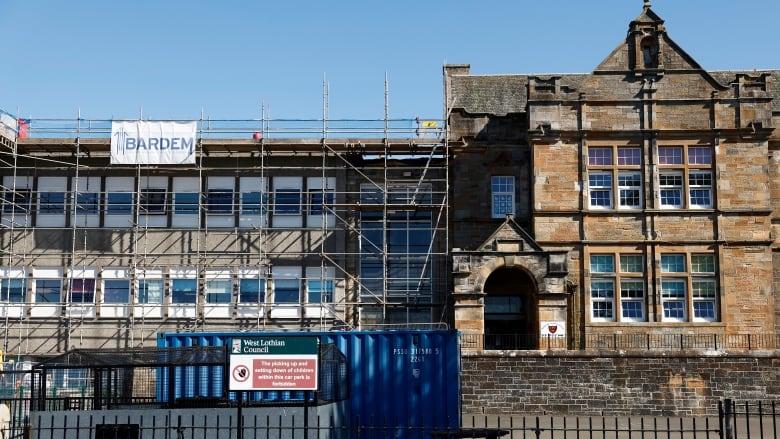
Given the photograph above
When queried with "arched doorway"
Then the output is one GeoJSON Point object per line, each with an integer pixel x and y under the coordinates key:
{"type": "Point", "coordinates": [510, 310]}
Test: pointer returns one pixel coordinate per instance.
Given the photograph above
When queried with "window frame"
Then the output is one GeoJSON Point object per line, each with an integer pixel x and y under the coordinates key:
{"type": "Point", "coordinates": [117, 207]}
{"type": "Point", "coordinates": [616, 270]}
{"type": "Point", "coordinates": [608, 167]}
{"type": "Point", "coordinates": [219, 201]}
{"type": "Point", "coordinates": [83, 292]}
{"type": "Point", "coordinates": [692, 165]}
{"type": "Point", "coordinates": [142, 294]}
{"type": "Point", "coordinates": [8, 291]}
{"type": "Point", "coordinates": [17, 201]}
{"type": "Point", "coordinates": [502, 196]}
{"type": "Point", "coordinates": [150, 203]}
{"type": "Point", "coordinates": [284, 208]}
{"type": "Point", "coordinates": [687, 274]}
{"type": "Point", "coordinates": [110, 291]}
{"type": "Point", "coordinates": [47, 206]}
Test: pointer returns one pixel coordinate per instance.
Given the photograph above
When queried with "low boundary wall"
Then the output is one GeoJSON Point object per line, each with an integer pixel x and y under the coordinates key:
{"type": "Point", "coordinates": [598, 383]}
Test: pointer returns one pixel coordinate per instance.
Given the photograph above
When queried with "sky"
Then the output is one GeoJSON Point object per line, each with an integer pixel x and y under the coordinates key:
{"type": "Point", "coordinates": [242, 59]}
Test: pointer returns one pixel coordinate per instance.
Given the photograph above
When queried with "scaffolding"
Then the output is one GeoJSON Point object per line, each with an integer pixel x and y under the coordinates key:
{"type": "Point", "coordinates": [353, 211]}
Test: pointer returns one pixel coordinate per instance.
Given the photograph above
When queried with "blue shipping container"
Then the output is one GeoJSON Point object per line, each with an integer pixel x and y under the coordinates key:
{"type": "Point", "coordinates": [407, 378]}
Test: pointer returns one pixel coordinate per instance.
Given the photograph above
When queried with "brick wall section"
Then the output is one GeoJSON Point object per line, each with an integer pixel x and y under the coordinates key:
{"type": "Point", "coordinates": [649, 383]}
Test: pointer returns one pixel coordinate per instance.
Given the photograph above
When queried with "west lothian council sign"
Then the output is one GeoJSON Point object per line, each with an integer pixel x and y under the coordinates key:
{"type": "Point", "coordinates": [273, 363]}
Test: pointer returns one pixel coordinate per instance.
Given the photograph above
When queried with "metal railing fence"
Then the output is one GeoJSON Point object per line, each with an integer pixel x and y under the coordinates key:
{"type": "Point", "coordinates": [616, 341]}
{"type": "Point", "coordinates": [735, 420]}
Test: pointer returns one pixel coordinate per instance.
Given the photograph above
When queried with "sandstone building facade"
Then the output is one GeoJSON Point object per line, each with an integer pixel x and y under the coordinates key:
{"type": "Point", "coordinates": [655, 180]}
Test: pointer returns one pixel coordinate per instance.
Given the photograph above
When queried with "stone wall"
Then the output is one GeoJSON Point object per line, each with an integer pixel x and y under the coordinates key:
{"type": "Point", "coordinates": [591, 383]}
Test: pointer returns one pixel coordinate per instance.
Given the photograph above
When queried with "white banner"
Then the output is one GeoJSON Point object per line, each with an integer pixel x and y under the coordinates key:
{"type": "Point", "coordinates": [153, 143]}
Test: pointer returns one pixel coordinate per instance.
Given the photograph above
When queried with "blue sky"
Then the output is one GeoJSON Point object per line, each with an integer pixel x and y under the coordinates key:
{"type": "Point", "coordinates": [176, 59]}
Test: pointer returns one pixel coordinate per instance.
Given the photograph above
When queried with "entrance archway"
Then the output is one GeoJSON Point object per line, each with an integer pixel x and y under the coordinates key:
{"type": "Point", "coordinates": [511, 316]}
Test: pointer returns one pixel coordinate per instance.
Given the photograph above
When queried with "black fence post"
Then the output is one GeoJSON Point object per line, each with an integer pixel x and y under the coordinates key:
{"type": "Point", "coordinates": [727, 419]}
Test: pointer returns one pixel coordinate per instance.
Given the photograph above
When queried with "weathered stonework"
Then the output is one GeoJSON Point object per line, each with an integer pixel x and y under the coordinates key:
{"type": "Point", "coordinates": [647, 98]}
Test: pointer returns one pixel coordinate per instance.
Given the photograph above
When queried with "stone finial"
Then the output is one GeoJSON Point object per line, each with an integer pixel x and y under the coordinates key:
{"type": "Point", "coordinates": [647, 4]}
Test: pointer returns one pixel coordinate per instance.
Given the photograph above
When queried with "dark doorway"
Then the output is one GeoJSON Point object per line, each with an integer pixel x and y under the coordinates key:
{"type": "Point", "coordinates": [510, 310]}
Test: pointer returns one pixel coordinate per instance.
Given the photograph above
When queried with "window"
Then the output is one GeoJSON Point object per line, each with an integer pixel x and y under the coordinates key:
{"type": "Point", "coordinates": [685, 177]}
{"type": "Point", "coordinates": [119, 203]}
{"type": "Point", "coordinates": [184, 291]}
{"type": "Point", "coordinates": [17, 201]}
{"type": "Point", "coordinates": [703, 289]}
{"type": "Point", "coordinates": [82, 291]}
{"type": "Point", "coordinates": [678, 281]}
{"type": "Point", "coordinates": [700, 183]}
{"type": "Point", "coordinates": [254, 203]}
{"type": "Point", "coordinates": [600, 189]}
{"type": "Point", "coordinates": [320, 291]}
{"type": "Point", "coordinates": [251, 290]}
{"type": "Point", "coordinates": [219, 201]}
{"type": "Point", "coordinates": [395, 246]}
{"type": "Point", "coordinates": [615, 171]}
{"type": "Point", "coordinates": [51, 203]}
{"type": "Point", "coordinates": [671, 189]}
{"type": "Point", "coordinates": [87, 203]}
{"type": "Point", "coordinates": [630, 190]}
{"type": "Point", "coordinates": [152, 201]}
{"type": "Point", "coordinates": [150, 291]}
{"type": "Point", "coordinates": [319, 200]}
{"type": "Point", "coordinates": [48, 290]}
{"type": "Point", "coordinates": [116, 291]}
{"type": "Point", "coordinates": [13, 290]}
{"type": "Point", "coordinates": [219, 291]}
{"type": "Point", "coordinates": [287, 291]}
{"type": "Point", "coordinates": [600, 156]}
{"type": "Point", "coordinates": [185, 203]}
{"type": "Point", "coordinates": [602, 290]}
{"type": "Point", "coordinates": [287, 202]}
{"type": "Point", "coordinates": [629, 304]}
{"type": "Point", "coordinates": [502, 196]}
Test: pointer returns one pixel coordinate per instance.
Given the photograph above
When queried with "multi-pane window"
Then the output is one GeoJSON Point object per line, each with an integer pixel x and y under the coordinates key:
{"type": "Point", "coordinates": [615, 177]}
{"type": "Point", "coordinates": [13, 290]}
{"type": "Point", "coordinates": [287, 201]}
{"type": "Point", "coordinates": [630, 189]}
{"type": "Point", "coordinates": [703, 291]}
{"type": "Point", "coordinates": [150, 291]}
{"type": "Point", "coordinates": [688, 287]}
{"type": "Point", "coordinates": [632, 288]}
{"type": "Point", "coordinates": [82, 290]}
{"type": "Point", "coordinates": [219, 201]}
{"type": "Point", "coordinates": [51, 203]}
{"type": "Point", "coordinates": [119, 203]}
{"type": "Point", "coordinates": [600, 189]}
{"type": "Point", "coordinates": [152, 201]}
{"type": "Point", "coordinates": [116, 291]}
{"type": "Point", "coordinates": [627, 304]}
{"type": "Point", "coordinates": [685, 177]}
{"type": "Point", "coordinates": [502, 196]}
{"type": "Point", "coordinates": [17, 201]}
{"type": "Point", "coordinates": [602, 289]}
